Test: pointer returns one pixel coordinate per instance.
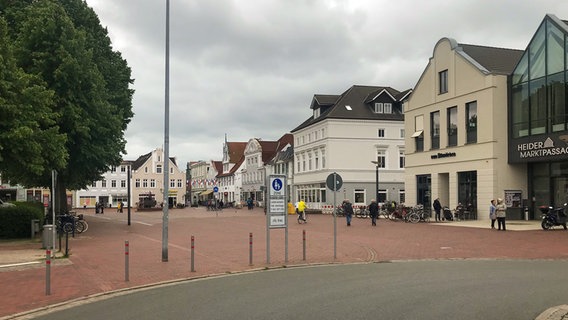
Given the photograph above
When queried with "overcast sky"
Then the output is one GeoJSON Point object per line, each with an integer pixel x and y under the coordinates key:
{"type": "Point", "coordinates": [250, 68]}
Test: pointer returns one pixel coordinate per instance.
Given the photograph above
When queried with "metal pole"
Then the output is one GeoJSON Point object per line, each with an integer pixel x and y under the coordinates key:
{"type": "Point", "coordinates": [129, 176]}
{"type": "Point", "coordinates": [47, 272]}
{"type": "Point", "coordinates": [377, 182]}
{"type": "Point", "coordinates": [166, 140]}
{"type": "Point", "coordinates": [250, 249]}
{"type": "Point", "coordinates": [335, 215]}
{"type": "Point", "coordinates": [126, 261]}
{"type": "Point", "coordinates": [53, 230]}
{"type": "Point", "coordinates": [192, 254]}
{"type": "Point", "coordinates": [304, 243]}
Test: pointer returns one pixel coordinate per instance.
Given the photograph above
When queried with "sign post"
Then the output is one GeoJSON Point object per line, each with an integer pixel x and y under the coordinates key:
{"type": "Point", "coordinates": [334, 182]}
{"type": "Point", "coordinates": [276, 211]}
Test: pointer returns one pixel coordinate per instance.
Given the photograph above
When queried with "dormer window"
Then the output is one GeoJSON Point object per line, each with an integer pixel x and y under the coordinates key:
{"type": "Point", "coordinates": [378, 107]}
{"type": "Point", "coordinates": [316, 112]}
{"type": "Point", "coordinates": [383, 107]}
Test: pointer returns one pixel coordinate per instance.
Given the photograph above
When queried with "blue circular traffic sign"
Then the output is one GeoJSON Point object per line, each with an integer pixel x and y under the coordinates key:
{"type": "Point", "coordinates": [277, 184]}
{"type": "Point", "coordinates": [215, 189]}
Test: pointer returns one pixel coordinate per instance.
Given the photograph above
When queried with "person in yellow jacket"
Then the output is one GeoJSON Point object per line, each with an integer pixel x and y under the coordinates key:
{"type": "Point", "coordinates": [302, 210]}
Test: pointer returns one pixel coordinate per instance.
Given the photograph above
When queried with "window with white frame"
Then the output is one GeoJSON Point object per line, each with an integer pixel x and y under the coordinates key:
{"type": "Point", "coordinates": [303, 162]}
{"type": "Point", "coordinates": [113, 169]}
{"type": "Point", "coordinates": [113, 183]}
{"type": "Point", "coordinates": [137, 183]}
{"type": "Point", "coordinates": [310, 161]}
{"type": "Point", "coordinates": [381, 133]}
{"type": "Point", "coordinates": [179, 183]}
{"type": "Point", "coordinates": [316, 154]}
{"type": "Point", "coordinates": [401, 159]}
{"type": "Point", "coordinates": [381, 158]}
{"type": "Point", "coordinates": [172, 183]}
{"type": "Point", "coordinates": [94, 184]}
{"type": "Point", "coordinates": [144, 183]}
{"type": "Point", "coordinates": [323, 159]}
{"type": "Point", "coordinates": [158, 168]}
{"type": "Point", "coordinates": [378, 107]}
{"type": "Point", "coordinates": [359, 196]}
{"type": "Point", "coordinates": [123, 183]}
{"type": "Point", "coordinates": [122, 168]}
{"type": "Point", "coordinates": [152, 183]}
{"type": "Point", "coordinates": [103, 183]}
{"type": "Point", "coordinates": [387, 108]}
{"type": "Point", "coordinates": [402, 133]}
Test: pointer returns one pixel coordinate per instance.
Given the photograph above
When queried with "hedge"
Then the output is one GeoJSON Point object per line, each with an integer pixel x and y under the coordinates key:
{"type": "Point", "coordinates": [15, 222]}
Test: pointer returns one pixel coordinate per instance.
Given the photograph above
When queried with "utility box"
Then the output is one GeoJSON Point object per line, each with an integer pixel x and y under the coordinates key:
{"type": "Point", "coordinates": [35, 227]}
{"type": "Point", "coordinates": [47, 237]}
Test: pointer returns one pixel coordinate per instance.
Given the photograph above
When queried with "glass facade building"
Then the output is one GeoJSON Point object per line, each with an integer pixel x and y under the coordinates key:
{"type": "Point", "coordinates": [538, 114]}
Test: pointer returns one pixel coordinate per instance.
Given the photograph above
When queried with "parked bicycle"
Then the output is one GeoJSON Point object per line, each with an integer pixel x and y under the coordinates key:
{"type": "Point", "coordinates": [339, 211]}
{"type": "Point", "coordinates": [362, 212]}
{"type": "Point", "coordinates": [418, 214]}
{"type": "Point", "coordinates": [69, 223]}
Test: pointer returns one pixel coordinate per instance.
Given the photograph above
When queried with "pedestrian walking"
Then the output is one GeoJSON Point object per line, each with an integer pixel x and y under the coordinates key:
{"type": "Point", "coordinates": [302, 210]}
{"type": "Point", "coordinates": [348, 208]}
{"type": "Point", "coordinates": [374, 211]}
{"type": "Point", "coordinates": [501, 213]}
{"type": "Point", "coordinates": [492, 215]}
{"type": "Point", "coordinates": [119, 207]}
{"type": "Point", "coordinates": [438, 209]}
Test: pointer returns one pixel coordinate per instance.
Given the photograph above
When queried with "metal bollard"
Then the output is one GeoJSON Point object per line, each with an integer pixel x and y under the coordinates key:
{"type": "Point", "coordinates": [47, 272]}
{"type": "Point", "coordinates": [126, 261]}
{"type": "Point", "coordinates": [192, 254]}
{"type": "Point", "coordinates": [250, 249]}
{"type": "Point", "coordinates": [304, 243]}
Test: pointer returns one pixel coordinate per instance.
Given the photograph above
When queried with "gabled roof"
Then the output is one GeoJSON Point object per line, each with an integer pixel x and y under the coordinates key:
{"type": "Point", "coordinates": [141, 160]}
{"type": "Point", "coordinates": [236, 151]}
{"type": "Point", "coordinates": [218, 165]}
{"type": "Point", "coordinates": [355, 103]}
{"type": "Point", "coordinates": [493, 60]}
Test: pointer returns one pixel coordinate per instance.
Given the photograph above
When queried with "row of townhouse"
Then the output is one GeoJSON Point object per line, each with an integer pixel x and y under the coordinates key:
{"type": "Point", "coordinates": [146, 184]}
{"type": "Point", "coordinates": [350, 133]}
{"type": "Point", "coordinates": [481, 123]}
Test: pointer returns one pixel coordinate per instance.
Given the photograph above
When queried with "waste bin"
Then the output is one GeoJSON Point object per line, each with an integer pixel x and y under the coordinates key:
{"type": "Point", "coordinates": [47, 237]}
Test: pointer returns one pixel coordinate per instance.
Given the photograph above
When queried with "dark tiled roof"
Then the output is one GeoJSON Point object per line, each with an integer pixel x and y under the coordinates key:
{"type": "Point", "coordinates": [141, 160]}
{"type": "Point", "coordinates": [495, 60]}
{"type": "Point", "coordinates": [359, 99]}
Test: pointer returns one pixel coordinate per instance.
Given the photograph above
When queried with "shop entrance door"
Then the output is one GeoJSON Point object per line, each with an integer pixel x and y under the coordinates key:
{"type": "Point", "coordinates": [560, 189]}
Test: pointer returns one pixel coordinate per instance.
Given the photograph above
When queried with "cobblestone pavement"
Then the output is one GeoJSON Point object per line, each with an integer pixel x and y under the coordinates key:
{"type": "Point", "coordinates": [96, 265]}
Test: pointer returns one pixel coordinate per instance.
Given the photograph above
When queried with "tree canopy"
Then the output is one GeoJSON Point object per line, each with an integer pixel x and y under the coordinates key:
{"type": "Point", "coordinates": [68, 96]}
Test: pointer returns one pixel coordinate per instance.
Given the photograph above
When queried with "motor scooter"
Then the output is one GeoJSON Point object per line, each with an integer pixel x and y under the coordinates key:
{"type": "Point", "coordinates": [552, 217]}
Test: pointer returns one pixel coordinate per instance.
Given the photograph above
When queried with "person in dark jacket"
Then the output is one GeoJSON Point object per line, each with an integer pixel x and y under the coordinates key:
{"type": "Point", "coordinates": [374, 212]}
{"type": "Point", "coordinates": [437, 209]}
{"type": "Point", "coordinates": [348, 210]}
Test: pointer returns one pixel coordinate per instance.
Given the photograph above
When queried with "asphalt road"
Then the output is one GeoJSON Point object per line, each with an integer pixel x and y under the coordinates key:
{"type": "Point", "coordinates": [448, 289]}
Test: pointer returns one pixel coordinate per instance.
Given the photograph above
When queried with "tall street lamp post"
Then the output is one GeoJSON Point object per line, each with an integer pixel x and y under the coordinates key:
{"type": "Point", "coordinates": [377, 164]}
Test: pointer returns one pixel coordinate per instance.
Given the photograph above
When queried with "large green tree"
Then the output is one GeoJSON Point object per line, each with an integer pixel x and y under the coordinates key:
{"type": "Point", "coordinates": [29, 136]}
{"type": "Point", "coordinates": [63, 43]}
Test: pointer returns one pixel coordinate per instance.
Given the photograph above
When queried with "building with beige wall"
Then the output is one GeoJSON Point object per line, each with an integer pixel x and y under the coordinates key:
{"type": "Point", "coordinates": [148, 178]}
{"type": "Point", "coordinates": [456, 124]}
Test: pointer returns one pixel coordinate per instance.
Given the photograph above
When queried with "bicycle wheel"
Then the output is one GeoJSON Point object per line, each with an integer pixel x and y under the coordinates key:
{"type": "Point", "coordinates": [384, 214]}
{"type": "Point", "coordinates": [80, 226]}
{"type": "Point", "coordinates": [68, 227]}
{"type": "Point", "coordinates": [359, 213]}
{"type": "Point", "coordinates": [414, 218]}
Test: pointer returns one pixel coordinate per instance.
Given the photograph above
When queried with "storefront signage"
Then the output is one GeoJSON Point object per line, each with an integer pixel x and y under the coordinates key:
{"type": "Point", "coordinates": [440, 155]}
{"type": "Point", "coordinates": [539, 148]}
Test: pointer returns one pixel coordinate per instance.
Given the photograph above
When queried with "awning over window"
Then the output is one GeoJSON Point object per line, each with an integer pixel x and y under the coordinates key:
{"type": "Point", "coordinates": [206, 192]}
{"type": "Point", "coordinates": [417, 134]}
